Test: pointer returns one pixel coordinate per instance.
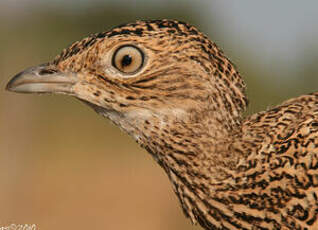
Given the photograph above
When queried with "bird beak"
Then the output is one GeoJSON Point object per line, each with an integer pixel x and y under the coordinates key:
{"type": "Point", "coordinates": [42, 79]}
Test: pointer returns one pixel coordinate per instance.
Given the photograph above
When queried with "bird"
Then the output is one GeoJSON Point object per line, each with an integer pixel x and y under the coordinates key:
{"type": "Point", "coordinates": [173, 90]}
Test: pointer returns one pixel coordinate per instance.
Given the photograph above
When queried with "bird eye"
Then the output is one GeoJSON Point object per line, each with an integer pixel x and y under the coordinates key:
{"type": "Point", "coordinates": [128, 59]}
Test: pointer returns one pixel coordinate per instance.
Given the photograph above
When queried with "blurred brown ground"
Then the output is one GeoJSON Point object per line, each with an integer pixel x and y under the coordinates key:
{"type": "Point", "coordinates": [64, 167]}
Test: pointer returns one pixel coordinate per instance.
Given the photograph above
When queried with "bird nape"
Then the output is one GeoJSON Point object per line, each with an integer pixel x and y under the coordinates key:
{"type": "Point", "coordinates": [173, 90]}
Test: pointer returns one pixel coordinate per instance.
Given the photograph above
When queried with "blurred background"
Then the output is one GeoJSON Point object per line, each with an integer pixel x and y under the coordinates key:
{"type": "Point", "coordinates": [64, 167]}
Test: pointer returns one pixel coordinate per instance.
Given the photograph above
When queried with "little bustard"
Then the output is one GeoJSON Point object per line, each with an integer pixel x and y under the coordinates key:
{"type": "Point", "coordinates": [173, 90]}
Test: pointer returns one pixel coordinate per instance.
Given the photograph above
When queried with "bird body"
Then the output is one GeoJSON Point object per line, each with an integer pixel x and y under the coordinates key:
{"type": "Point", "coordinates": [174, 91]}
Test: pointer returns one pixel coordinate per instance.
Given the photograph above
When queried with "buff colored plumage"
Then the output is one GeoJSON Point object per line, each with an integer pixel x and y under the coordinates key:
{"type": "Point", "coordinates": [173, 90]}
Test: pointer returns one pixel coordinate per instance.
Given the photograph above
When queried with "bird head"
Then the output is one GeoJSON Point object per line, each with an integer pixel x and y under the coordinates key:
{"type": "Point", "coordinates": [164, 83]}
{"type": "Point", "coordinates": [159, 70]}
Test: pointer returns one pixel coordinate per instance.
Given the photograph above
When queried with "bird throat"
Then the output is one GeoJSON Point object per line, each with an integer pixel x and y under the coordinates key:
{"type": "Point", "coordinates": [193, 152]}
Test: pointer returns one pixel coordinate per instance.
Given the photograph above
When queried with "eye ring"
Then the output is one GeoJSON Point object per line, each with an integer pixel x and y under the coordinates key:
{"type": "Point", "coordinates": [128, 59]}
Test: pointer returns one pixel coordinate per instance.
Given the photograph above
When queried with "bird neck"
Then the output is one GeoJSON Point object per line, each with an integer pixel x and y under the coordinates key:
{"type": "Point", "coordinates": [194, 146]}
{"type": "Point", "coordinates": [195, 154]}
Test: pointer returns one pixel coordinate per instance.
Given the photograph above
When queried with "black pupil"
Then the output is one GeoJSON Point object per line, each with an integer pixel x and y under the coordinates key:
{"type": "Point", "coordinates": [126, 61]}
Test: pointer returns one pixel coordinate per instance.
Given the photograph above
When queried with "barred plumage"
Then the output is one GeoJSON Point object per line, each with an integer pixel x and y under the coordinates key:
{"type": "Point", "coordinates": [179, 97]}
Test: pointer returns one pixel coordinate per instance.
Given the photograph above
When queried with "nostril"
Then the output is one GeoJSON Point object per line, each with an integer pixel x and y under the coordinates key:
{"type": "Point", "coordinates": [46, 71]}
